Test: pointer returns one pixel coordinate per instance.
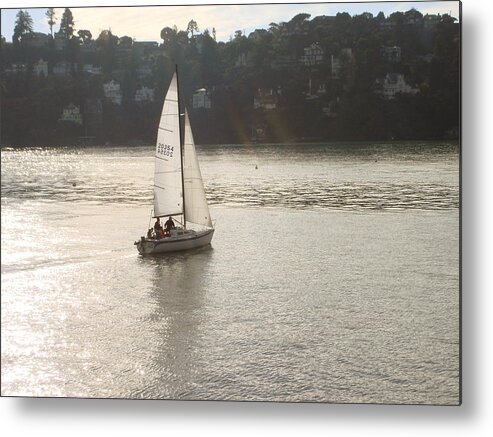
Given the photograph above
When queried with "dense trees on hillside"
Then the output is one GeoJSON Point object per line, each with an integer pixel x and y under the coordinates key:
{"type": "Point", "coordinates": [50, 15]}
{"type": "Point", "coordinates": [23, 27]}
{"type": "Point", "coordinates": [331, 78]}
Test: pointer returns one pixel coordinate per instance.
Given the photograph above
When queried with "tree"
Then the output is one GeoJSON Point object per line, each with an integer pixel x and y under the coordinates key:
{"type": "Point", "coordinates": [192, 27]}
{"type": "Point", "coordinates": [168, 35]}
{"type": "Point", "coordinates": [106, 44]}
{"type": "Point", "coordinates": [270, 59]}
{"type": "Point", "coordinates": [209, 62]}
{"type": "Point", "coordinates": [298, 20]}
{"type": "Point", "coordinates": [23, 26]}
{"type": "Point", "coordinates": [84, 36]}
{"type": "Point", "coordinates": [397, 18]}
{"type": "Point", "coordinates": [126, 41]}
{"type": "Point", "coordinates": [50, 14]}
{"type": "Point", "coordinates": [413, 16]}
{"type": "Point", "coordinates": [106, 38]}
{"type": "Point", "coordinates": [175, 43]}
{"type": "Point", "coordinates": [380, 18]}
{"type": "Point", "coordinates": [67, 23]}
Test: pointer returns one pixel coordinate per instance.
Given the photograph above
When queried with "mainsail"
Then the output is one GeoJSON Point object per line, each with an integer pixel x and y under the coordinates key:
{"type": "Point", "coordinates": [168, 188]}
{"type": "Point", "coordinates": [196, 208]}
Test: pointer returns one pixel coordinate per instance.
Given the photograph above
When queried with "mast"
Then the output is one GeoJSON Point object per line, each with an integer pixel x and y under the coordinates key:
{"type": "Point", "coordinates": [181, 146]}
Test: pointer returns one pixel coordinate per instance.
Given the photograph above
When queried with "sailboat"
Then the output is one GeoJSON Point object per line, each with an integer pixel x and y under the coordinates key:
{"type": "Point", "coordinates": [178, 188]}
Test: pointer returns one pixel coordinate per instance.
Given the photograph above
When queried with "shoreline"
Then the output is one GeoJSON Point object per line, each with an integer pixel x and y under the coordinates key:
{"type": "Point", "coordinates": [451, 141]}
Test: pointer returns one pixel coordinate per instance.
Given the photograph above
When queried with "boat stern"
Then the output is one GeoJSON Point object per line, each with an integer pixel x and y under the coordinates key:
{"type": "Point", "coordinates": [141, 246]}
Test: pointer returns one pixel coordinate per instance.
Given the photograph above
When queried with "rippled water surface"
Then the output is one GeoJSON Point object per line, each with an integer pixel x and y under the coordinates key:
{"type": "Point", "coordinates": [333, 276]}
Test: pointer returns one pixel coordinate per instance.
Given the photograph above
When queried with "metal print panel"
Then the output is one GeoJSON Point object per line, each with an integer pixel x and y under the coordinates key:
{"type": "Point", "coordinates": [327, 140]}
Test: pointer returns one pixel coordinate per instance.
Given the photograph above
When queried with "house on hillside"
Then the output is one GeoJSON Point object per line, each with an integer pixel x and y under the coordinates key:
{"type": "Point", "coordinates": [393, 84]}
{"type": "Point", "coordinates": [112, 91]}
{"type": "Point", "coordinates": [201, 99]}
{"type": "Point", "coordinates": [18, 67]}
{"type": "Point", "coordinates": [92, 69]}
{"type": "Point", "coordinates": [71, 114]}
{"type": "Point", "coordinates": [313, 55]}
{"type": "Point", "coordinates": [41, 67]}
{"type": "Point", "coordinates": [144, 95]}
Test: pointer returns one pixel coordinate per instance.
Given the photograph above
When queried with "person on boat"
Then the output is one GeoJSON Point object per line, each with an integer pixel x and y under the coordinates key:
{"type": "Point", "coordinates": [170, 224]}
{"type": "Point", "coordinates": [158, 229]}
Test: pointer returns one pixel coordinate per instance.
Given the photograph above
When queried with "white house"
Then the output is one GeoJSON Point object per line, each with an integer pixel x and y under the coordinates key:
{"type": "Point", "coordinates": [92, 69]}
{"type": "Point", "coordinates": [16, 68]}
{"type": "Point", "coordinates": [313, 55]}
{"type": "Point", "coordinates": [41, 67]}
{"type": "Point", "coordinates": [144, 94]}
{"type": "Point", "coordinates": [201, 99]}
{"type": "Point", "coordinates": [72, 113]}
{"type": "Point", "coordinates": [113, 92]}
{"type": "Point", "coordinates": [393, 84]}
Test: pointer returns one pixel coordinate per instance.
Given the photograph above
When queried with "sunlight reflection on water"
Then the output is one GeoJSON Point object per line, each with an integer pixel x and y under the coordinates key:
{"type": "Point", "coordinates": [332, 277]}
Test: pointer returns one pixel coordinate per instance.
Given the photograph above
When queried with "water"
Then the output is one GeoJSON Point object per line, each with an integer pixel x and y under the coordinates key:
{"type": "Point", "coordinates": [333, 276]}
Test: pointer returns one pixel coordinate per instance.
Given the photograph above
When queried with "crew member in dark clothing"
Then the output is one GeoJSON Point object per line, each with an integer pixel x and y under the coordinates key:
{"type": "Point", "coordinates": [158, 229]}
{"type": "Point", "coordinates": [170, 224]}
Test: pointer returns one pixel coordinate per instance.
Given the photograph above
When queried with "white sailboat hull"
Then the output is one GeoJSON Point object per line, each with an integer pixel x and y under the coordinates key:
{"type": "Point", "coordinates": [188, 240]}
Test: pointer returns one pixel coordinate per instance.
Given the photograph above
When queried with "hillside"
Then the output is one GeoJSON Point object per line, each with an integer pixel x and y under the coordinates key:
{"type": "Point", "coordinates": [323, 78]}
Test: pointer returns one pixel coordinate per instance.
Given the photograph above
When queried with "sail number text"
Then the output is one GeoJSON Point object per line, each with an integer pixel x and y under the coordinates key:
{"type": "Point", "coordinates": [165, 150]}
